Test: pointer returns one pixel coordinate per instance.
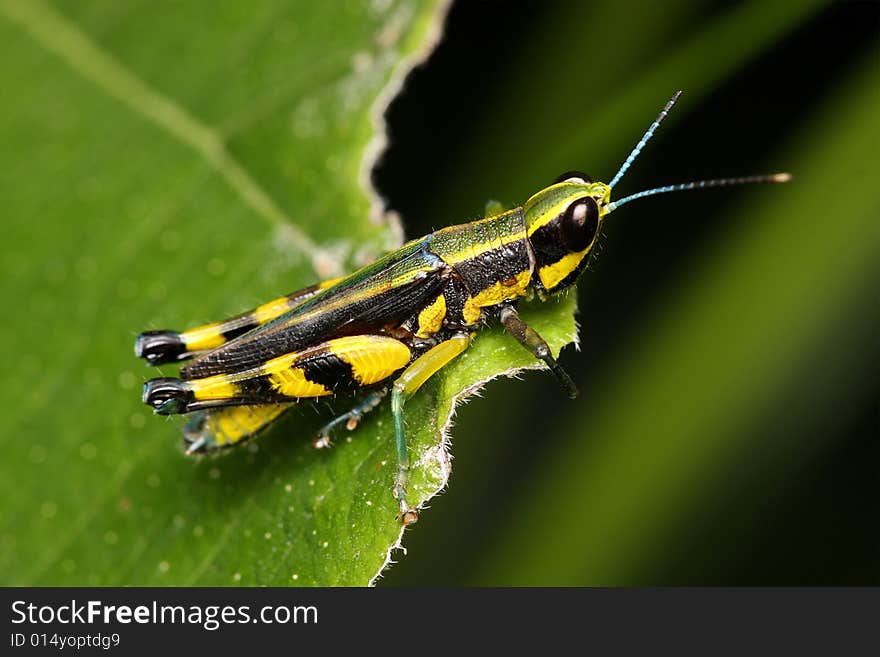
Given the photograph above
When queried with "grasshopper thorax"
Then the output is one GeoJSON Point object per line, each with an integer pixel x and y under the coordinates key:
{"type": "Point", "coordinates": [562, 223]}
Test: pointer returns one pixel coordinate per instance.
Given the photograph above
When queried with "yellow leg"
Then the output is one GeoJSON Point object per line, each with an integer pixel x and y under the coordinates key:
{"type": "Point", "coordinates": [340, 365]}
{"type": "Point", "coordinates": [412, 378]}
{"type": "Point", "coordinates": [214, 429]}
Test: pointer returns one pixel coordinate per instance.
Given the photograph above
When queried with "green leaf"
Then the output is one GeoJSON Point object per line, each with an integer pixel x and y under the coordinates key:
{"type": "Point", "coordinates": [167, 165]}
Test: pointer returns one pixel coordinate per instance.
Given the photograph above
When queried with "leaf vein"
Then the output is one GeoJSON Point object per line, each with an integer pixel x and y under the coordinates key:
{"type": "Point", "coordinates": [75, 48]}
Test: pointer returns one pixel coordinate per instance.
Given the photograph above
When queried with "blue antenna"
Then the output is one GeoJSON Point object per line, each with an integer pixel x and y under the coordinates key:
{"type": "Point", "coordinates": [645, 138]}
{"type": "Point", "coordinates": [701, 184]}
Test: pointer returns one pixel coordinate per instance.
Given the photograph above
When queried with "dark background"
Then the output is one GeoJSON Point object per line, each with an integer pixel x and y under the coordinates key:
{"type": "Point", "coordinates": [815, 527]}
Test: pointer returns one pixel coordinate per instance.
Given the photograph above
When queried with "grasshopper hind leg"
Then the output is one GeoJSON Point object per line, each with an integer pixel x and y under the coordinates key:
{"type": "Point", "coordinates": [412, 378]}
{"type": "Point", "coordinates": [216, 429]}
{"type": "Point", "coordinates": [349, 419]}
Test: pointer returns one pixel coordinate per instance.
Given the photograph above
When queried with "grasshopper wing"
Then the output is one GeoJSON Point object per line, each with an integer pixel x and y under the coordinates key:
{"type": "Point", "coordinates": [381, 295]}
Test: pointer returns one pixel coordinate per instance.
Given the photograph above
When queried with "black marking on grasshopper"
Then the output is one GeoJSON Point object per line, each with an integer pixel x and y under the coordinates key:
{"type": "Point", "coordinates": [456, 294]}
{"type": "Point", "coordinates": [160, 347]}
{"type": "Point", "coordinates": [330, 371]}
{"type": "Point", "coordinates": [547, 246]}
{"type": "Point", "coordinates": [494, 266]}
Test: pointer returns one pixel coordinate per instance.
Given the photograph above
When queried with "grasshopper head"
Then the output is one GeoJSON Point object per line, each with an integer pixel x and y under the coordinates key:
{"type": "Point", "coordinates": [562, 222]}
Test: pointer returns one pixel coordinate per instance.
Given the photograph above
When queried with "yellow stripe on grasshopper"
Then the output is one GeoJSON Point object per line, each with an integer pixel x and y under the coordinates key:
{"type": "Point", "coordinates": [269, 311]}
{"type": "Point", "coordinates": [546, 207]}
{"type": "Point", "coordinates": [221, 386]}
{"type": "Point", "coordinates": [292, 382]}
{"type": "Point", "coordinates": [373, 358]}
{"type": "Point", "coordinates": [228, 426]}
{"type": "Point", "coordinates": [354, 295]}
{"type": "Point", "coordinates": [203, 337]}
{"type": "Point", "coordinates": [210, 336]}
{"type": "Point", "coordinates": [475, 250]}
{"type": "Point", "coordinates": [277, 307]}
{"type": "Point", "coordinates": [431, 318]}
{"type": "Point", "coordinates": [330, 282]}
{"type": "Point", "coordinates": [552, 274]}
{"type": "Point", "coordinates": [495, 294]}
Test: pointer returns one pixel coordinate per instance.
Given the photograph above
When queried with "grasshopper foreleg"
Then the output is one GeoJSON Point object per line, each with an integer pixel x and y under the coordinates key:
{"type": "Point", "coordinates": [529, 338]}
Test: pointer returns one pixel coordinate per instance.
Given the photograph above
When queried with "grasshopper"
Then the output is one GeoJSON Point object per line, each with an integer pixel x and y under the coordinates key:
{"type": "Point", "coordinates": [398, 320]}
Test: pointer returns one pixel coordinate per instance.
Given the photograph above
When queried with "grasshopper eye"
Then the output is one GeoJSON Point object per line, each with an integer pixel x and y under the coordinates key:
{"type": "Point", "coordinates": [575, 177]}
{"type": "Point", "coordinates": [579, 224]}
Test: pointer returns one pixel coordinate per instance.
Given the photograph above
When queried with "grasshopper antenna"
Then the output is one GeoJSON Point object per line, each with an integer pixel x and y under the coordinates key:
{"type": "Point", "coordinates": [681, 187]}
{"type": "Point", "coordinates": [644, 140]}
{"type": "Point", "coordinates": [702, 184]}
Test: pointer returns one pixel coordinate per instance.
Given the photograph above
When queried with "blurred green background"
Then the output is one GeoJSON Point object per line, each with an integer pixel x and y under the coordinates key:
{"type": "Point", "coordinates": [727, 431]}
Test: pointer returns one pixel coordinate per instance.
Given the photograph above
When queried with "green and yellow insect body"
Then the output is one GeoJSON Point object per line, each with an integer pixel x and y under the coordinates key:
{"type": "Point", "coordinates": [398, 320]}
